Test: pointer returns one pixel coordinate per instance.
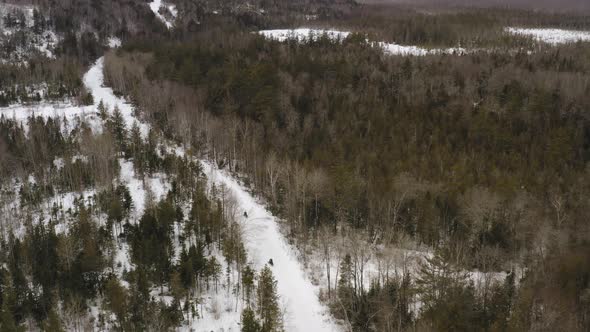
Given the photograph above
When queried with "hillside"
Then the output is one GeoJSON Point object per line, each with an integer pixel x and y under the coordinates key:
{"type": "Point", "coordinates": [293, 166]}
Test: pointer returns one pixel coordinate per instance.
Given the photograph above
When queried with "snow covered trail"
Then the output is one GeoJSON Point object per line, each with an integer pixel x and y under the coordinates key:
{"type": "Point", "coordinates": [94, 80]}
{"type": "Point", "coordinates": [264, 241]}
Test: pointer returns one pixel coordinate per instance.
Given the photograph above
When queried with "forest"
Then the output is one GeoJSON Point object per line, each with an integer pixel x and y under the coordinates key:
{"type": "Point", "coordinates": [421, 193]}
{"type": "Point", "coordinates": [483, 157]}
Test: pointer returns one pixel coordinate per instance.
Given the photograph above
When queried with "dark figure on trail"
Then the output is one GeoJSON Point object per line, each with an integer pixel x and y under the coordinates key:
{"type": "Point", "coordinates": [270, 262]}
{"type": "Point", "coordinates": [245, 214]}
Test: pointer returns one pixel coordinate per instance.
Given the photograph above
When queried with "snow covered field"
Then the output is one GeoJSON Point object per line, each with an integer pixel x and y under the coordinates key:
{"type": "Point", "coordinates": [304, 34]}
{"type": "Point", "coordinates": [74, 115]}
{"type": "Point", "coordinates": [552, 36]}
{"type": "Point", "coordinates": [395, 49]}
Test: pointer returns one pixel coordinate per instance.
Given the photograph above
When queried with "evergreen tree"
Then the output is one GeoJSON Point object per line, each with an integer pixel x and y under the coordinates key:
{"type": "Point", "coordinates": [116, 300]}
{"type": "Point", "coordinates": [268, 302]}
{"type": "Point", "coordinates": [345, 290]}
{"type": "Point", "coordinates": [53, 323]}
{"type": "Point", "coordinates": [102, 111]}
{"type": "Point", "coordinates": [117, 127]}
{"type": "Point", "coordinates": [7, 322]}
{"type": "Point", "coordinates": [249, 321]}
{"type": "Point", "coordinates": [248, 276]}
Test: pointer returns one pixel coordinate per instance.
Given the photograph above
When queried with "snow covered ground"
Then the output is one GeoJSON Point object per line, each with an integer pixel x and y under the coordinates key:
{"type": "Point", "coordinates": [263, 241]}
{"type": "Point", "coordinates": [304, 34]}
{"type": "Point", "coordinates": [94, 80]}
{"type": "Point", "coordinates": [74, 115]}
{"type": "Point", "coordinates": [552, 36]}
{"type": "Point", "coordinates": [157, 184]}
{"type": "Point", "coordinates": [43, 42]}
{"type": "Point", "coordinates": [155, 6]}
{"type": "Point", "coordinates": [113, 42]}
{"type": "Point", "coordinates": [395, 49]}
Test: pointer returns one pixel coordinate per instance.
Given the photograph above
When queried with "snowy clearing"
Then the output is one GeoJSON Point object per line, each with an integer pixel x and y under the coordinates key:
{"type": "Point", "coordinates": [552, 36]}
{"type": "Point", "coordinates": [305, 34]}
{"type": "Point", "coordinates": [395, 49]}
{"type": "Point", "coordinates": [74, 115]}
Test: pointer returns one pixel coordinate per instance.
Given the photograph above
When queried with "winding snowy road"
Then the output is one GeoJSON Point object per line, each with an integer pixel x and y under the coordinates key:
{"type": "Point", "coordinates": [263, 240]}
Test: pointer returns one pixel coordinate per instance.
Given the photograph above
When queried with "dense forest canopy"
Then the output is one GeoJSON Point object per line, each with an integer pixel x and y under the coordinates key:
{"type": "Point", "coordinates": [461, 180]}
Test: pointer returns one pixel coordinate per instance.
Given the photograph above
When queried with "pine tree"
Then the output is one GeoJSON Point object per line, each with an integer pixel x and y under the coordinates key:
{"type": "Point", "coordinates": [248, 281]}
{"type": "Point", "coordinates": [268, 302]}
{"type": "Point", "coordinates": [53, 323]}
{"type": "Point", "coordinates": [117, 299]}
{"type": "Point", "coordinates": [117, 126]}
{"type": "Point", "coordinates": [7, 322]}
{"type": "Point", "coordinates": [102, 110]}
{"type": "Point", "coordinates": [249, 321]}
{"type": "Point", "coordinates": [345, 290]}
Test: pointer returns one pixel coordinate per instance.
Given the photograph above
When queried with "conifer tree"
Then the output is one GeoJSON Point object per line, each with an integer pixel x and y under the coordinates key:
{"type": "Point", "coordinates": [249, 321]}
{"type": "Point", "coordinates": [268, 302]}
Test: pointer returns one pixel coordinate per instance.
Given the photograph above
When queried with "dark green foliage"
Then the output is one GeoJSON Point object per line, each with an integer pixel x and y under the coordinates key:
{"type": "Point", "coordinates": [249, 321]}
{"type": "Point", "coordinates": [268, 302]}
{"type": "Point", "coordinates": [150, 240]}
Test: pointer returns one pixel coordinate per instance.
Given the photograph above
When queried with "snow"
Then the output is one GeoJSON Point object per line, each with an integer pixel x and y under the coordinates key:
{"type": "Point", "coordinates": [552, 36]}
{"type": "Point", "coordinates": [305, 34]}
{"type": "Point", "coordinates": [155, 6]}
{"type": "Point", "coordinates": [43, 43]}
{"type": "Point", "coordinates": [74, 115]}
{"type": "Point", "coordinates": [395, 49]}
{"type": "Point", "coordinates": [58, 163]}
{"type": "Point", "coordinates": [113, 42]}
{"type": "Point", "coordinates": [263, 241]}
{"type": "Point", "coordinates": [157, 184]}
{"type": "Point", "coordinates": [46, 43]}
{"type": "Point", "coordinates": [94, 80]}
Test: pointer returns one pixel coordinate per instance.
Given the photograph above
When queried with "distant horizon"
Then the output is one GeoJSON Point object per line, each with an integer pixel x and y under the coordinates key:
{"type": "Point", "coordinates": [546, 5]}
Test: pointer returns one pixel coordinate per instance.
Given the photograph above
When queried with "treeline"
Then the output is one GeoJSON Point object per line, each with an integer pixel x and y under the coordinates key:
{"type": "Point", "coordinates": [484, 155]}
{"type": "Point", "coordinates": [465, 27]}
{"type": "Point", "coordinates": [41, 79]}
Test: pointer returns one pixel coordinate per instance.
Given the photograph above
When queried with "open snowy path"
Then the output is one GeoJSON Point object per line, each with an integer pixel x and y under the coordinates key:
{"type": "Point", "coordinates": [94, 82]}
{"type": "Point", "coordinates": [263, 240]}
